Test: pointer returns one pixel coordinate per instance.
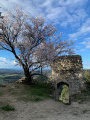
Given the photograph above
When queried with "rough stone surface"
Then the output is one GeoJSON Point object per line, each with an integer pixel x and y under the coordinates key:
{"type": "Point", "coordinates": [69, 70]}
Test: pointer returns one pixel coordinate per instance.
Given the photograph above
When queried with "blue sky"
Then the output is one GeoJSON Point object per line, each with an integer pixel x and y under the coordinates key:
{"type": "Point", "coordinates": [72, 17]}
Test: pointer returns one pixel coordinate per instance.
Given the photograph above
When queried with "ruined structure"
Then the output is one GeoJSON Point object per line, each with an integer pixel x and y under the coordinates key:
{"type": "Point", "coordinates": [68, 70]}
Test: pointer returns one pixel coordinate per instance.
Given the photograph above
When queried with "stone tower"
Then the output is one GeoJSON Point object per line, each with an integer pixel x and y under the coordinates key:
{"type": "Point", "coordinates": [68, 70]}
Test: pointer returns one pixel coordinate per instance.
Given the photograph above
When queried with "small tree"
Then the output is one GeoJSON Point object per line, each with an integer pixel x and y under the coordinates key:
{"type": "Point", "coordinates": [32, 41]}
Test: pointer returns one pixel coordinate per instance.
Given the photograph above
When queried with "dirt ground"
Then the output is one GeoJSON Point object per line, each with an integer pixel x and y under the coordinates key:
{"type": "Point", "coordinates": [47, 110]}
{"type": "Point", "coordinates": [44, 110]}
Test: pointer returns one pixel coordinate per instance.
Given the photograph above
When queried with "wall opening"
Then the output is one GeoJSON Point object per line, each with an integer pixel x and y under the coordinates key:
{"type": "Point", "coordinates": [63, 92]}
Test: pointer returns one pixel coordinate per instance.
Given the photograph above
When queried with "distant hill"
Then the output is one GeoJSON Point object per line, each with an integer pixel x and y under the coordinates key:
{"type": "Point", "coordinates": [10, 75]}
{"type": "Point", "coordinates": [3, 69]}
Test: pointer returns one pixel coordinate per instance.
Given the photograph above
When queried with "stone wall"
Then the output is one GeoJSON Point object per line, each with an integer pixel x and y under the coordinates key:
{"type": "Point", "coordinates": [68, 69]}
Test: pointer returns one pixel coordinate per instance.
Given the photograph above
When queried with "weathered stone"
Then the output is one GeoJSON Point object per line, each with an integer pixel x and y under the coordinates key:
{"type": "Point", "coordinates": [3, 85]}
{"type": "Point", "coordinates": [21, 80]}
{"type": "Point", "coordinates": [68, 69]}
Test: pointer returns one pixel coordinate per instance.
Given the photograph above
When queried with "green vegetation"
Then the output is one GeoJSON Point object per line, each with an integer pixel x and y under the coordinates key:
{"type": "Point", "coordinates": [8, 76]}
{"type": "Point", "coordinates": [36, 92]}
{"type": "Point", "coordinates": [82, 97]}
{"type": "Point", "coordinates": [41, 78]}
{"type": "Point", "coordinates": [87, 79]}
{"type": "Point", "coordinates": [8, 108]}
{"type": "Point", "coordinates": [84, 111]}
{"type": "Point", "coordinates": [1, 93]}
{"type": "Point", "coordinates": [37, 99]}
{"type": "Point", "coordinates": [87, 75]}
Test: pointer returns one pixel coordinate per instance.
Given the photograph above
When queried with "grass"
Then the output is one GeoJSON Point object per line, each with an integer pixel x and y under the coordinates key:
{"type": "Point", "coordinates": [10, 76]}
{"type": "Point", "coordinates": [87, 79]}
{"type": "Point", "coordinates": [34, 93]}
{"type": "Point", "coordinates": [41, 78]}
{"type": "Point", "coordinates": [31, 99]}
{"type": "Point", "coordinates": [82, 97]}
{"type": "Point", "coordinates": [84, 111]}
{"type": "Point", "coordinates": [37, 99]}
{"type": "Point", "coordinates": [8, 108]}
{"type": "Point", "coordinates": [1, 93]}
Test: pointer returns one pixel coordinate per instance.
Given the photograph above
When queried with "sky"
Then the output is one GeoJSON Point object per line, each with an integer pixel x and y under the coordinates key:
{"type": "Point", "coordinates": [71, 17]}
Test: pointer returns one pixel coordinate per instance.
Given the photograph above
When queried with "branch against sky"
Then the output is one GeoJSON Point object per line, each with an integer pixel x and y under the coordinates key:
{"type": "Point", "coordinates": [23, 37]}
{"type": "Point", "coordinates": [72, 18]}
{"type": "Point", "coordinates": [50, 50]}
{"type": "Point", "coordinates": [64, 13]}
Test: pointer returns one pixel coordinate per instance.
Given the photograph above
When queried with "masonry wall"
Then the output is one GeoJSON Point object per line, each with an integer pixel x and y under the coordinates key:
{"type": "Point", "coordinates": [68, 69]}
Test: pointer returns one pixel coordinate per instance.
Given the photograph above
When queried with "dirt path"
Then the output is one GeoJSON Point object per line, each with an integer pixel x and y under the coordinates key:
{"type": "Point", "coordinates": [43, 110]}
{"type": "Point", "coordinates": [47, 110]}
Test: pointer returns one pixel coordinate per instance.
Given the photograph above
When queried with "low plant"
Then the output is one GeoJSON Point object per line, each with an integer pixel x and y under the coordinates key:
{"type": "Point", "coordinates": [82, 97]}
{"type": "Point", "coordinates": [37, 99]}
{"type": "Point", "coordinates": [41, 78]}
{"type": "Point", "coordinates": [87, 79]}
{"type": "Point", "coordinates": [87, 75]}
{"type": "Point", "coordinates": [84, 111]}
{"type": "Point", "coordinates": [1, 93]}
{"type": "Point", "coordinates": [8, 108]}
{"type": "Point", "coordinates": [38, 91]}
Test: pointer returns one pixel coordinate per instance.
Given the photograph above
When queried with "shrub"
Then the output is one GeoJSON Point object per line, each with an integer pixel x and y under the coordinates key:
{"type": "Point", "coordinates": [87, 75]}
{"type": "Point", "coordinates": [1, 93]}
{"type": "Point", "coordinates": [8, 108]}
{"type": "Point", "coordinates": [87, 78]}
{"type": "Point", "coordinates": [41, 78]}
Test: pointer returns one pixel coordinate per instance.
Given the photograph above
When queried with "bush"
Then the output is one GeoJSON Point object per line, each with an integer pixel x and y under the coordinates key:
{"type": "Point", "coordinates": [42, 78]}
{"type": "Point", "coordinates": [87, 75]}
{"type": "Point", "coordinates": [8, 108]}
{"type": "Point", "coordinates": [87, 78]}
{"type": "Point", "coordinates": [1, 93]}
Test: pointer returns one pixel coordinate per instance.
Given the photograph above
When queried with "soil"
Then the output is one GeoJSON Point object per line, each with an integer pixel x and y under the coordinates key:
{"type": "Point", "coordinates": [43, 110]}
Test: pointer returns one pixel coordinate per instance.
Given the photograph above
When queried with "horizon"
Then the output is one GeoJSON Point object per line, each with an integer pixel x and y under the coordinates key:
{"type": "Point", "coordinates": [72, 18]}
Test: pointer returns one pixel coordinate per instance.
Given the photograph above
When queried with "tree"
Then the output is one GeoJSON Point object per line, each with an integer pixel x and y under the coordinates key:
{"type": "Point", "coordinates": [32, 41]}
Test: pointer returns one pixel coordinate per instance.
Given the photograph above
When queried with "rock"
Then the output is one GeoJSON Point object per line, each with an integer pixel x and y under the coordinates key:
{"type": "Point", "coordinates": [13, 87]}
{"type": "Point", "coordinates": [20, 80]}
{"type": "Point", "coordinates": [3, 85]}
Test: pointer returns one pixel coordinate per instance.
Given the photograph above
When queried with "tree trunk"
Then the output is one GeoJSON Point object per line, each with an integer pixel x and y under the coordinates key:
{"type": "Point", "coordinates": [28, 77]}
{"type": "Point", "coordinates": [41, 70]}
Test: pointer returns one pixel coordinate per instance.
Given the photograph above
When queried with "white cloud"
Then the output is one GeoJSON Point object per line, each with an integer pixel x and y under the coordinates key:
{"type": "Point", "coordinates": [83, 30]}
{"type": "Point", "coordinates": [86, 42]}
{"type": "Point", "coordinates": [7, 63]}
{"type": "Point", "coordinates": [64, 12]}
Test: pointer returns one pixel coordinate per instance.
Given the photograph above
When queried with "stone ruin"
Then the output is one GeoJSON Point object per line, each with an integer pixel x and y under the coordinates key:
{"type": "Point", "coordinates": [68, 70]}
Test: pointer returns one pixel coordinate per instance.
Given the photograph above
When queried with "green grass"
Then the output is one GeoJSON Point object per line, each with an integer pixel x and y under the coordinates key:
{"type": "Point", "coordinates": [37, 99]}
{"type": "Point", "coordinates": [10, 76]}
{"type": "Point", "coordinates": [35, 93]}
{"type": "Point", "coordinates": [87, 75]}
{"type": "Point", "coordinates": [87, 79]}
{"type": "Point", "coordinates": [1, 93]}
{"type": "Point", "coordinates": [41, 78]}
{"type": "Point", "coordinates": [84, 111]}
{"type": "Point", "coordinates": [82, 97]}
{"type": "Point", "coordinates": [31, 99]}
{"type": "Point", "coordinates": [8, 108]}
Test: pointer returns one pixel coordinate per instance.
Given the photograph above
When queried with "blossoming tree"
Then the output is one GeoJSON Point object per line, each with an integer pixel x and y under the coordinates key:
{"type": "Point", "coordinates": [32, 41]}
